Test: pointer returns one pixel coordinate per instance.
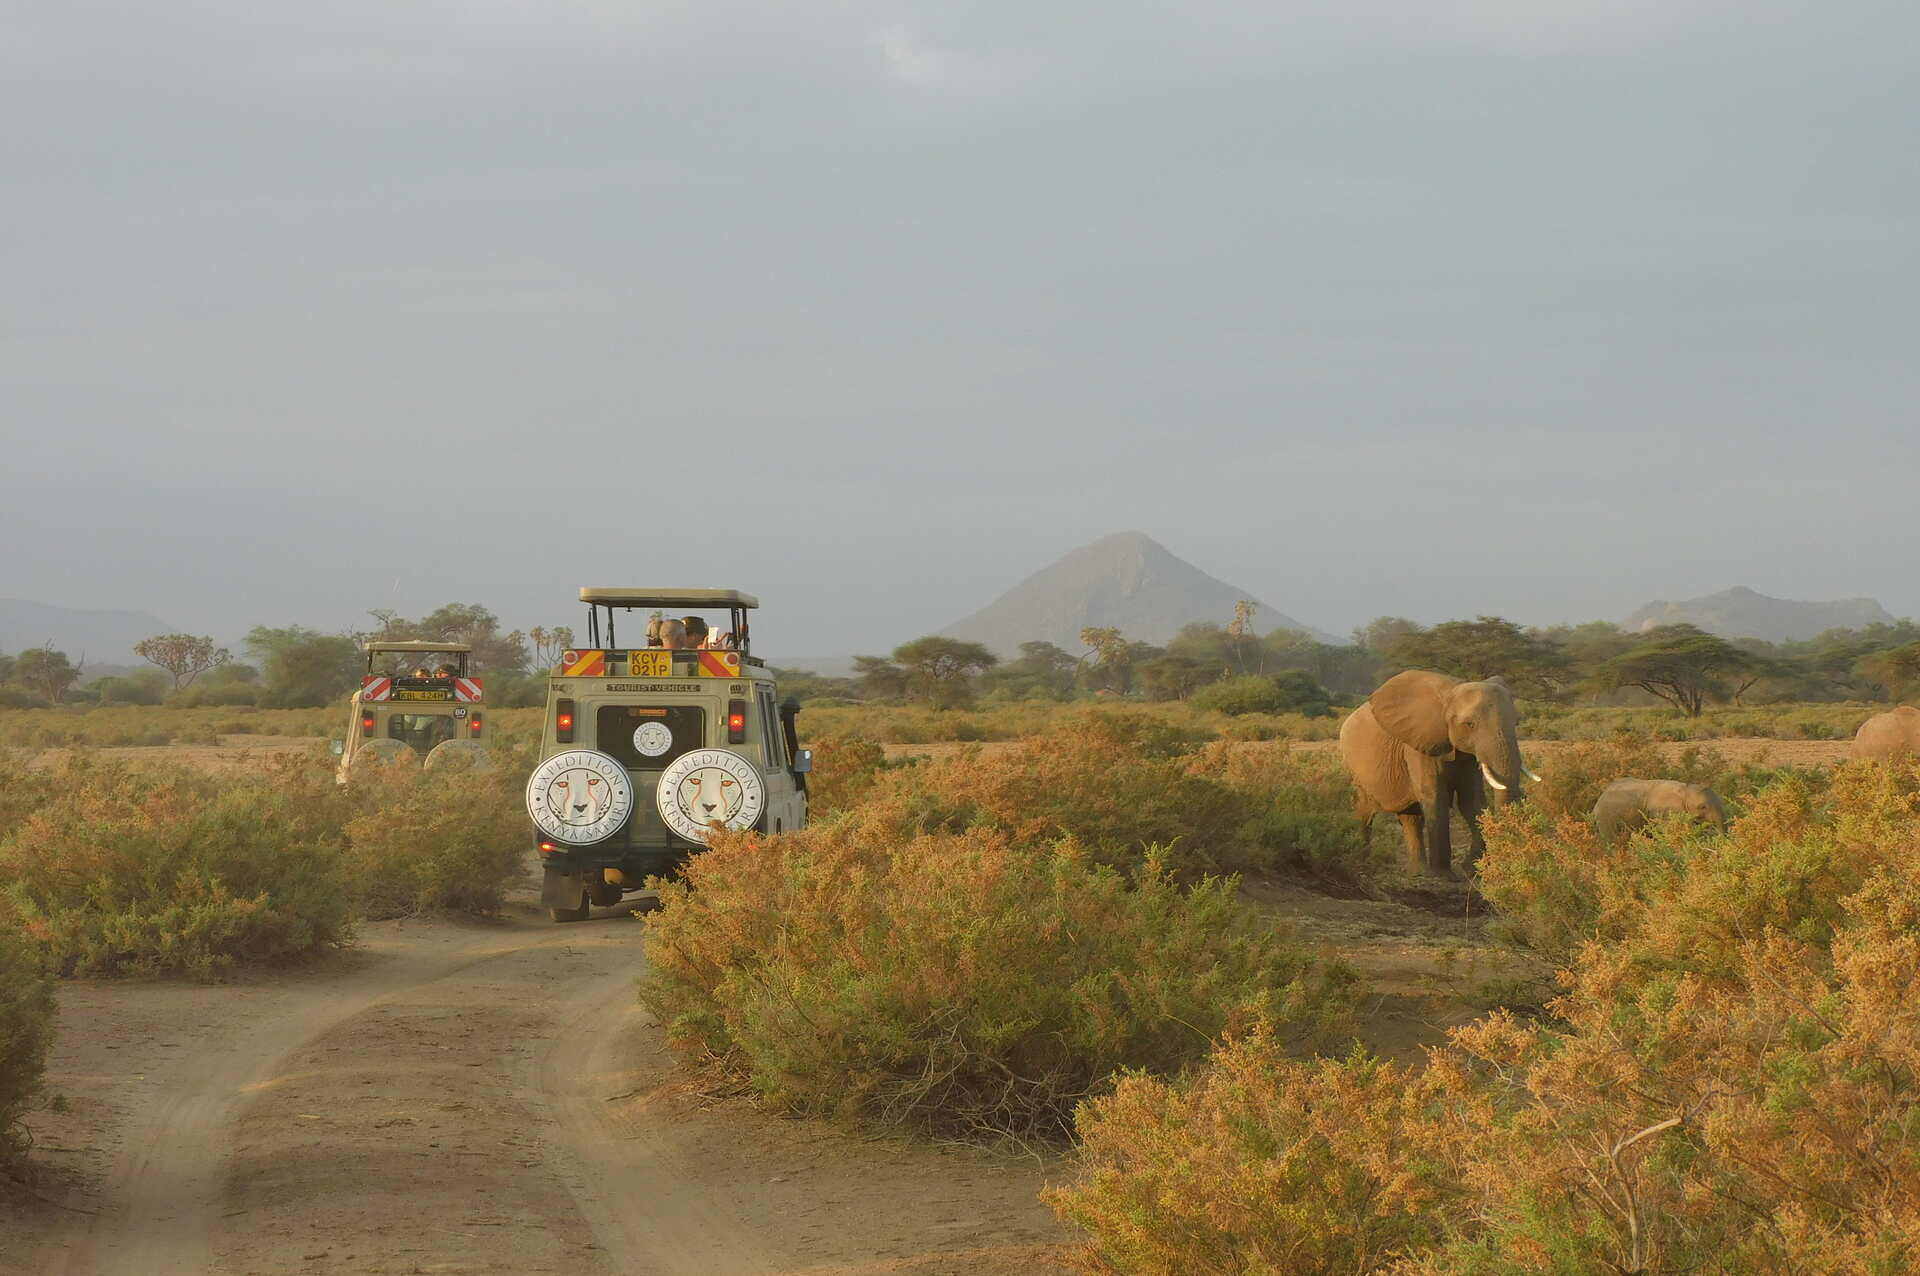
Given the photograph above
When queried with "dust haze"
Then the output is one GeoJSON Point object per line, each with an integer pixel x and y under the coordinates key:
{"type": "Point", "coordinates": [873, 309]}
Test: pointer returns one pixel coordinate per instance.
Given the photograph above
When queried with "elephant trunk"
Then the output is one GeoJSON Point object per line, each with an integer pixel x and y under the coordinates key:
{"type": "Point", "coordinates": [1501, 767]}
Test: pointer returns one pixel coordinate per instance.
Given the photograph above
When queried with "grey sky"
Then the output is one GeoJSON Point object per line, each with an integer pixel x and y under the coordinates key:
{"type": "Point", "coordinates": [1438, 308]}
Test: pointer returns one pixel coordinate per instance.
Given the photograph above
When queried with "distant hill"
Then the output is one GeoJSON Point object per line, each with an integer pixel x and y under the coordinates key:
{"type": "Point", "coordinates": [1744, 613]}
{"type": "Point", "coordinates": [1128, 581]}
{"type": "Point", "coordinates": [103, 637]}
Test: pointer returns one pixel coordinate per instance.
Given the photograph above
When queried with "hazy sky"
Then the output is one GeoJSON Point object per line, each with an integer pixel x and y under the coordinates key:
{"type": "Point", "coordinates": [1431, 308]}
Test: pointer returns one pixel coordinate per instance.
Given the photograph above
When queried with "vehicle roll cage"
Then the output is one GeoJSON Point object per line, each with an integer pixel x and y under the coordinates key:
{"type": "Point", "coordinates": [668, 600]}
{"type": "Point", "coordinates": [459, 652]}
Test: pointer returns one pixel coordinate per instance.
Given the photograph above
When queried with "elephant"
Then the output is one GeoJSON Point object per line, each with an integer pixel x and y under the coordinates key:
{"type": "Point", "coordinates": [1889, 734]}
{"type": "Point", "coordinates": [1425, 742]}
{"type": "Point", "coordinates": [1628, 804]}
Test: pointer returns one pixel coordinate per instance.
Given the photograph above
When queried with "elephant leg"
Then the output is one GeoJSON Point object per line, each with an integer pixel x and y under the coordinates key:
{"type": "Point", "coordinates": [1364, 810]}
{"type": "Point", "coordinates": [1439, 817]}
{"type": "Point", "coordinates": [1411, 833]}
{"type": "Point", "coordinates": [1473, 804]}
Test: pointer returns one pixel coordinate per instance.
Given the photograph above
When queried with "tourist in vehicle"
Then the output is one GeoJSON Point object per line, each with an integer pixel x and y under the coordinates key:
{"type": "Point", "coordinates": [444, 671]}
{"type": "Point", "coordinates": [673, 636]}
{"type": "Point", "coordinates": [696, 631]}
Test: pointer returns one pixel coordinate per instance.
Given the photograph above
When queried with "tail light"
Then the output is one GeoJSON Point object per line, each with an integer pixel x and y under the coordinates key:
{"type": "Point", "coordinates": [736, 721]}
{"type": "Point", "coordinates": [563, 721]}
{"type": "Point", "coordinates": [473, 723]}
{"type": "Point", "coordinates": [367, 722]}
{"type": "Point", "coordinates": [548, 848]}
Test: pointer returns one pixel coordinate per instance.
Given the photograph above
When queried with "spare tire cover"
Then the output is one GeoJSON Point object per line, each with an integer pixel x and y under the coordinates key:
{"type": "Point", "coordinates": [383, 751]}
{"type": "Point", "coordinates": [464, 754]}
{"type": "Point", "coordinates": [579, 796]}
{"type": "Point", "coordinates": [710, 785]}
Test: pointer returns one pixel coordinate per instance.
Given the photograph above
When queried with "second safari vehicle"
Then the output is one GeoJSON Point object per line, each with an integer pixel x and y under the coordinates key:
{"type": "Point", "coordinates": [645, 750]}
{"type": "Point", "coordinates": [416, 700]}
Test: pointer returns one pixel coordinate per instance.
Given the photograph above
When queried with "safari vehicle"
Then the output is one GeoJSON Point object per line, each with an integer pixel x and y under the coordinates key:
{"type": "Point", "coordinates": [645, 750]}
{"type": "Point", "coordinates": [399, 715]}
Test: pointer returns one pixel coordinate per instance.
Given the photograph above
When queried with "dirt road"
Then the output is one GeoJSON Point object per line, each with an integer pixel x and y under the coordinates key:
{"type": "Point", "coordinates": [465, 1098]}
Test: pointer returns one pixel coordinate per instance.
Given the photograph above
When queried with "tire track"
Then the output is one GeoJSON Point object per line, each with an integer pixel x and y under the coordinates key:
{"type": "Point", "coordinates": [653, 1205]}
{"type": "Point", "coordinates": [161, 1200]}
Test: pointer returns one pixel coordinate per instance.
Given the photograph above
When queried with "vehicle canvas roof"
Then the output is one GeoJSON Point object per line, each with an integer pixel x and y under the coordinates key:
{"type": "Point", "coordinates": [609, 596]}
{"type": "Point", "coordinates": [410, 644]}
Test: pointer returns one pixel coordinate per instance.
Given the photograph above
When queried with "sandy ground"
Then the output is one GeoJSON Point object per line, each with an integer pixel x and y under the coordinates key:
{"type": "Point", "coordinates": [465, 1098]}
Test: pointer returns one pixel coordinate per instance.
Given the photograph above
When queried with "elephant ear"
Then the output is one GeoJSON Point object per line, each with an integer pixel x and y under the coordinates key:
{"type": "Point", "coordinates": [1412, 708]}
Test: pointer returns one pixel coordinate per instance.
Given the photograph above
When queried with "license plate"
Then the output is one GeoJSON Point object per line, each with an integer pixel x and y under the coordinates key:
{"type": "Point", "coordinates": [650, 664]}
{"type": "Point", "coordinates": [423, 695]}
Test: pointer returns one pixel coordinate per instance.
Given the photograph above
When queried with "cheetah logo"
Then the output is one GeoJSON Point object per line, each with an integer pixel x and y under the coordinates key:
{"type": "Point", "coordinates": [579, 796]}
{"type": "Point", "coordinates": [709, 787]}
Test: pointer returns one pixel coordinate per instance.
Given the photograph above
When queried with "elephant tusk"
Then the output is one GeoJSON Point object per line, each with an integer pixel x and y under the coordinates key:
{"type": "Point", "coordinates": [1531, 776]}
{"type": "Point", "coordinates": [1490, 780]}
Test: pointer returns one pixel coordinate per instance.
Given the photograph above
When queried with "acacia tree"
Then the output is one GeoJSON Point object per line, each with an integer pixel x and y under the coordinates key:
{"type": "Point", "coordinates": [1042, 671]}
{"type": "Point", "coordinates": [183, 656]}
{"type": "Point", "coordinates": [940, 669]}
{"type": "Point", "coordinates": [1484, 648]}
{"type": "Point", "coordinates": [1685, 666]}
{"type": "Point", "coordinates": [1898, 669]}
{"type": "Point", "coordinates": [304, 667]}
{"type": "Point", "coordinates": [879, 678]}
{"type": "Point", "coordinates": [1114, 658]}
{"type": "Point", "coordinates": [46, 671]}
{"type": "Point", "coordinates": [467, 623]}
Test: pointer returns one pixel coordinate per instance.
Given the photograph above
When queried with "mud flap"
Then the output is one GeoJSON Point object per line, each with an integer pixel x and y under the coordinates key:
{"type": "Point", "coordinates": [561, 890]}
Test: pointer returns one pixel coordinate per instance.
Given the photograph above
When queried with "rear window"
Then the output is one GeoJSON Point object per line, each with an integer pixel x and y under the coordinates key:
{"type": "Point", "coordinates": [649, 737]}
{"type": "Point", "coordinates": [420, 731]}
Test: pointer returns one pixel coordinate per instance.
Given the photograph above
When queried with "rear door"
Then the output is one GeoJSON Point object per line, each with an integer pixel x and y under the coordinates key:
{"type": "Point", "coordinates": [646, 739]}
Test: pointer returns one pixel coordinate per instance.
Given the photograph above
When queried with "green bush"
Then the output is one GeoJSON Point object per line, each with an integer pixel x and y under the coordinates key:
{"type": "Point", "coordinates": [449, 840]}
{"type": "Point", "coordinates": [216, 695]}
{"type": "Point", "coordinates": [169, 869]}
{"type": "Point", "coordinates": [1303, 808]}
{"type": "Point", "coordinates": [1291, 691]}
{"type": "Point", "coordinates": [144, 687]}
{"type": "Point", "coordinates": [954, 982]}
{"type": "Point", "coordinates": [26, 1034]}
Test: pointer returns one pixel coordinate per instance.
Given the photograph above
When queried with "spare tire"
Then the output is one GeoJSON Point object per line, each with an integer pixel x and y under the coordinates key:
{"type": "Point", "coordinates": [381, 752]}
{"type": "Point", "coordinates": [459, 755]}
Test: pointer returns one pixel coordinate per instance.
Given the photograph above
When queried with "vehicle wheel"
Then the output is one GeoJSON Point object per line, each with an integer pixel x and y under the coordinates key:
{"type": "Point", "coordinates": [572, 914]}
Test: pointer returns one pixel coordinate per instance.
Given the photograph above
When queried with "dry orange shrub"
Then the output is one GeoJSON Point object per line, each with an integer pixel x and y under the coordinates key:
{"type": "Point", "coordinates": [1729, 1082]}
{"type": "Point", "coordinates": [1119, 783]}
{"type": "Point", "coordinates": [163, 868]}
{"type": "Point", "coordinates": [846, 770]}
{"type": "Point", "coordinates": [1103, 787]}
{"type": "Point", "coordinates": [956, 981]}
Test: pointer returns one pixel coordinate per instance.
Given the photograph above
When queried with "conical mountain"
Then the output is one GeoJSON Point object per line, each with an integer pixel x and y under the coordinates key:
{"type": "Point", "coordinates": [1128, 581]}
{"type": "Point", "coordinates": [1745, 613]}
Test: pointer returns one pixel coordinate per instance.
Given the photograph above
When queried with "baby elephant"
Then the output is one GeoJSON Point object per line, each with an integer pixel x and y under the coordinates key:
{"type": "Point", "coordinates": [1628, 805]}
